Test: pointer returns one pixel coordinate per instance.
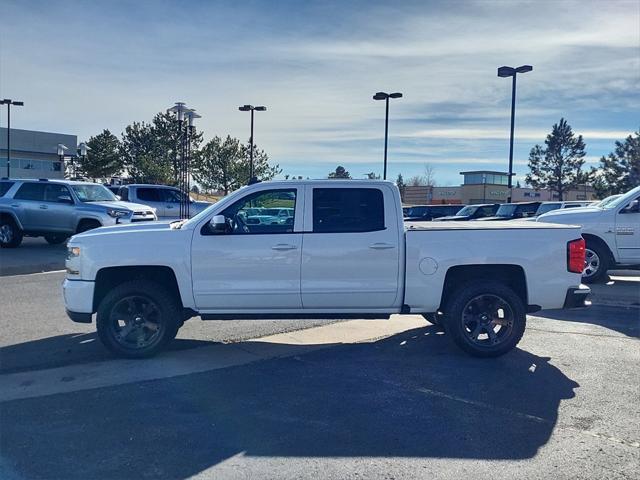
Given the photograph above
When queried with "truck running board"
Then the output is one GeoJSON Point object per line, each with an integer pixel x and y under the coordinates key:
{"type": "Point", "coordinates": [295, 316]}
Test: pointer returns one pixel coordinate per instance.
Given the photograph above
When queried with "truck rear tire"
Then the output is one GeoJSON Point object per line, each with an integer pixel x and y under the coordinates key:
{"type": "Point", "coordinates": [485, 319]}
{"type": "Point", "coordinates": [10, 233]}
{"type": "Point", "coordinates": [138, 318]}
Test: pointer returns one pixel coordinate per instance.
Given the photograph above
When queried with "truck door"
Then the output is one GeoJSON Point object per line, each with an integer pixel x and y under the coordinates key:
{"type": "Point", "coordinates": [351, 249]}
{"type": "Point", "coordinates": [150, 196]}
{"type": "Point", "coordinates": [253, 265]}
{"type": "Point", "coordinates": [628, 232]}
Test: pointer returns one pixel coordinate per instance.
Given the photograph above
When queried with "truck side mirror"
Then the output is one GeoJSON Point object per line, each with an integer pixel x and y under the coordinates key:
{"type": "Point", "coordinates": [633, 207]}
{"type": "Point", "coordinates": [218, 224]}
{"type": "Point", "coordinates": [65, 199]}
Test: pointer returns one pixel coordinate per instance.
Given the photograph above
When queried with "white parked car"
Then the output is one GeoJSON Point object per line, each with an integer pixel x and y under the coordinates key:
{"type": "Point", "coordinates": [611, 230]}
{"type": "Point", "coordinates": [346, 253]}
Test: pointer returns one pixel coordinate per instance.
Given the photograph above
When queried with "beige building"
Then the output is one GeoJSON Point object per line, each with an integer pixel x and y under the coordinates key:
{"type": "Point", "coordinates": [484, 186]}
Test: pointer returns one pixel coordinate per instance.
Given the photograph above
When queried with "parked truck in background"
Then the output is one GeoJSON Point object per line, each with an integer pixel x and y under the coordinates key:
{"type": "Point", "coordinates": [346, 253]}
{"type": "Point", "coordinates": [611, 231]}
{"type": "Point", "coordinates": [165, 199]}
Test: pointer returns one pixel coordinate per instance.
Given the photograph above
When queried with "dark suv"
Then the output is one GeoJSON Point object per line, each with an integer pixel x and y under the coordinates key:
{"type": "Point", "coordinates": [472, 212]}
{"type": "Point", "coordinates": [511, 211]}
{"type": "Point", "coordinates": [426, 213]}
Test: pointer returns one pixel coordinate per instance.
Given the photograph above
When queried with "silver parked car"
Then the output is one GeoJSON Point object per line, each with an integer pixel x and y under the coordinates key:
{"type": "Point", "coordinates": [57, 209]}
{"type": "Point", "coordinates": [165, 199]}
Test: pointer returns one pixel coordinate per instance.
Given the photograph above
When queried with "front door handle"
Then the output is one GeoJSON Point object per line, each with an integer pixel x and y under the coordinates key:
{"type": "Point", "coordinates": [43, 207]}
{"type": "Point", "coordinates": [284, 246]}
{"type": "Point", "coordinates": [169, 206]}
{"type": "Point", "coordinates": [381, 246]}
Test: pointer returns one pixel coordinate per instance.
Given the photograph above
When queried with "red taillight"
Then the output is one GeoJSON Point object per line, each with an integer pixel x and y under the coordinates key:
{"type": "Point", "coordinates": [575, 255]}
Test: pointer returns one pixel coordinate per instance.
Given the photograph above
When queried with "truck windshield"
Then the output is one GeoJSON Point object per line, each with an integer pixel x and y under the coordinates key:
{"type": "Point", "coordinates": [627, 197]}
{"type": "Point", "coordinates": [547, 207]}
{"type": "Point", "coordinates": [93, 193]}
{"type": "Point", "coordinates": [506, 210]}
{"type": "Point", "coordinates": [467, 211]}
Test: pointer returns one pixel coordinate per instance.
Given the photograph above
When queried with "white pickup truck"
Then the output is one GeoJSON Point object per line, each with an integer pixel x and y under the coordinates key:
{"type": "Point", "coordinates": [611, 231]}
{"type": "Point", "coordinates": [346, 253]}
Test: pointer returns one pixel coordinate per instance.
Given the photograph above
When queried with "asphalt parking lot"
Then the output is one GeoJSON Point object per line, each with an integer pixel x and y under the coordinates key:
{"type": "Point", "coordinates": [226, 402]}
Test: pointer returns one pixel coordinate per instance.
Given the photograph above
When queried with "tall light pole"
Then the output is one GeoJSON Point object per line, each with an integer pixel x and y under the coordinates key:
{"type": "Point", "coordinates": [83, 149]}
{"type": "Point", "coordinates": [505, 72]}
{"type": "Point", "coordinates": [61, 149]}
{"type": "Point", "coordinates": [251, 108]}
{"type": "Point", "coordinates": [8, 102]}
{"type": "Point", "coordinates": [180, 109]}
{"type": "Point", "coordinates": [386, 96]}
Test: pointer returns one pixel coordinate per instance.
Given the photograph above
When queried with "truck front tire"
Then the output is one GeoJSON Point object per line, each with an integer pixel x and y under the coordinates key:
{"type": "Point", "coordinates": [138, 318]}
{"type": "Point", "coordinates": [597, 262]}
{"type": "Point", "coordinates": [485, 319]}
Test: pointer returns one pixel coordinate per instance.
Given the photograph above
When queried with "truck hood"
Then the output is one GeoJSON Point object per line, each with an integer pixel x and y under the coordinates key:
{"type": "Point", "coordinates": [571, 215]}
{"type": "Point", "coordinates": [125, 229]}
{"type": "Point", "coordinates": [122, 205]}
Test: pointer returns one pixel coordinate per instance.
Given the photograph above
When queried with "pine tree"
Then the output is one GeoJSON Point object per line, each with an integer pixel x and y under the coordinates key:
{"type": "Point", "coordinates": [620, 170]}
{"type": "Point", "coordinates": [401, 185]}
{"type": "Point", "coordinates": [103, 158]}
{"type": "Point", "coordinates": [339, 173]}
{"type": "Point", "coordinates": [558, 166]}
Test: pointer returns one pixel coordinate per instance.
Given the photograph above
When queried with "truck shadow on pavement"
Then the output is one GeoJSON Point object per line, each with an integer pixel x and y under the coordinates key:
{"type": "Point", "coordinates": [63, 350]}
{"type": "Point", "coordinates": [625, 320]}
{"type": "Point", "coordinates": [409, 395]}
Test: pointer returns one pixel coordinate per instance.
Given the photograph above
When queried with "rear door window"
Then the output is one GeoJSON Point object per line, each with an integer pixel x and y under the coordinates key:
{"type": "Point", "coordinates": [149, 195]}
{"type": "Point", "coordinates": [53, 191]}
{"type": "Point", "coordinates": [31, 191]}
{"type": "Point", "coordinates": [341, 210]}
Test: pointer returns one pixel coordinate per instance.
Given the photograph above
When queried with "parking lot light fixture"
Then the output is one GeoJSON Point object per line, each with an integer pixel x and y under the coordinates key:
{"type": "Point", "coordinates": [386, 96]}
{"type": "Point", "coordinates": [8, 102]}
{"type": "Point", "coordinates": [251, 108]}
{"type": "Point", "coordinates": [505, 72]}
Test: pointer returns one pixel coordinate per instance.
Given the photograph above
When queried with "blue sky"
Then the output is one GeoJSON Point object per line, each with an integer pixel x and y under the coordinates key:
{"type": "Point", "coordinates": [82, 66]}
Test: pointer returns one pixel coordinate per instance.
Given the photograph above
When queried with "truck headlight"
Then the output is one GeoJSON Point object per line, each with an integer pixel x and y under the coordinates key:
{"type": "Point", "coordinates": [117, 213]}
{"type": "Point", "coordinates": [73, 252]}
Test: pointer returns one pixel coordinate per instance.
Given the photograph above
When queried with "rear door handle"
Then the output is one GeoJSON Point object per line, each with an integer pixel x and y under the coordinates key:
{"type": "Point", "coordinates": [44, 207]}
{"type": "Point", "coordinates": [284, 246]}
{"type": "Point", "coordinates": [381, 246]}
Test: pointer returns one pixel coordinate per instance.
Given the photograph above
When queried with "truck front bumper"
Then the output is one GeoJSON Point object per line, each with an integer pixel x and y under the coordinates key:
{"type": "Point", "coordinates": [577, 297]}
{"type": "Point", "coordinates": [78, 299]}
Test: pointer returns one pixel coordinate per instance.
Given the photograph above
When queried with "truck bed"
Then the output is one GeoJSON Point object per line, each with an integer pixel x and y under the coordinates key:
{"type": "Point", "coordinates": [497, 225]}
{"type": "Point", "coordinates": [538, 250]}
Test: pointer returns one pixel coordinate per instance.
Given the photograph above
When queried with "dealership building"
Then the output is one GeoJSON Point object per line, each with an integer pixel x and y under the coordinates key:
{"type": "Point", "coordinates": [34, 154]}
{"type": "Point", "coordinates": [486, 186]}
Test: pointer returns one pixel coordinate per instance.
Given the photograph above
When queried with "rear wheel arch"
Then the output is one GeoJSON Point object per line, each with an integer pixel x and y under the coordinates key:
{"type": "Point", "coordinates": [510, 275]}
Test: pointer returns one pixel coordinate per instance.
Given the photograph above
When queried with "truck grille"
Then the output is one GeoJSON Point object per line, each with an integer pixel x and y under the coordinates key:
{"type": "Point", "coordinates": [143, 216]}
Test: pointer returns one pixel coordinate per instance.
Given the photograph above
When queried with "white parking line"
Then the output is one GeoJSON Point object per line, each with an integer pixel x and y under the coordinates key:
{"type": "Point", "coordinates": [73, 378]}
